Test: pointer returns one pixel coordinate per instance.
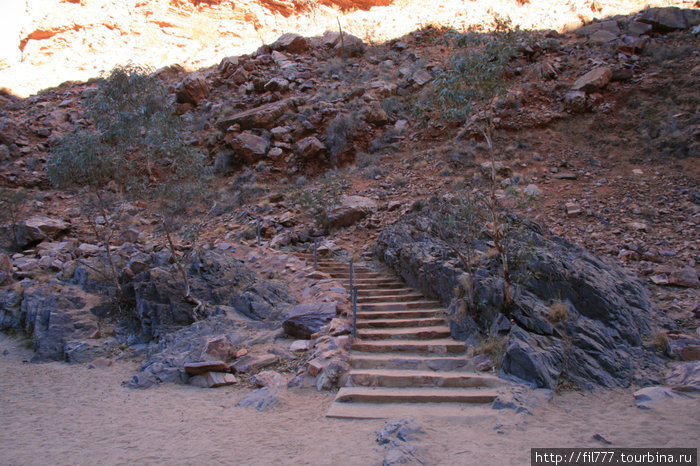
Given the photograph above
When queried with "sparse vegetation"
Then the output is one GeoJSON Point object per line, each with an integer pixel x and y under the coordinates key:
{"type": "Point", "coordinates": [11, 212]}
{"type": "Point", "coordinates": [495, 348]}
{"type": "Point", "coordinates": [136, 149]}
{"type": "Point", "coordinates": [558, 311]}
{"type": "Point", "coordinates": [338, 135]}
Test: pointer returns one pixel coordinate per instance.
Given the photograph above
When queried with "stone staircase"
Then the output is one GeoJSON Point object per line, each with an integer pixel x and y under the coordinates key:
{"type": "Point", "coordinates": [403, 360]}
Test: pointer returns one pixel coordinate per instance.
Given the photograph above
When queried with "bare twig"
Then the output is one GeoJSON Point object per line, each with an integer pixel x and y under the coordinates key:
{"type": "Point", "coordinates": [342, 39]}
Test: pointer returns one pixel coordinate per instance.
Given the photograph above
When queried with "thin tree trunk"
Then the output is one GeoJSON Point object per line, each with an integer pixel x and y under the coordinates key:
{"type": "Point", "coordinates": [108, 243]}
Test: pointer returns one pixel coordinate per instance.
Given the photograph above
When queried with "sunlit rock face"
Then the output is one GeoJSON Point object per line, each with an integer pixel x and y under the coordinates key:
{"type": "Point", "coordinates": [47, 42]}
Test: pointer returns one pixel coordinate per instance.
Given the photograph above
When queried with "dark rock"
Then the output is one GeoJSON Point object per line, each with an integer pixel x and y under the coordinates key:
{"type": "Point", "coordinates": [404, 429]}
{"type": "Point", "coordinates": [650, 397]}
{"type": "Point", "coordinates": [213, 380]}
{"type": "Point", "coordinates": [79, 352]}
{"type": "Point", "coordinates": [599, 343]}
{"type": "Point", "coordinates": [269, 379]}
{"type": "Point", "coordinates": [192, 90]}
{"type": "Point", "coordinates": [350, 46]}
{"type": "Point", "coordinates": [251, 363]}
{"type": "Point", "coordinates": [290, 42]}
{"type": "Point", "coordinates": [310, 147]}
{"type": "Point", "coordinates": [304, 320]}
{"type": "Point", "coordinates": [261, 399]}
{"type": "Point", "coordinates": [594, 80]}
{"type": "Point", "coordinates": [202, 367]}
{"type": "Point", "coordinates": [684, 377]}
{"type": "Point", "coordinates": [216, 278]}
{"type": "Point", "coordinates": [228, 66]}
{"type": "Point", "coordinates": [264, 116]}
{"type": "Point", "coordinates": [219, 348]}
{"type": "Point", "coordinates": [250, 146]}
{"type": "Point", "coordinates": [351, 210]}
{"type": "Point", "coordinates": [52, 315]}
{"type": "Point", "coordinates": [670, 18]}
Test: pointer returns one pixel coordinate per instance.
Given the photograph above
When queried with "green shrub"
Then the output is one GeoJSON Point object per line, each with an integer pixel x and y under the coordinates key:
{"type": "Point", "coordinates": [476, 70]}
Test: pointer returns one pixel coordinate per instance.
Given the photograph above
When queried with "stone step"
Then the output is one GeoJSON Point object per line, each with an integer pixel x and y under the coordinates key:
{"type": "Point", "coordinates": [409, 333]}
{"type": "Point", "coordinates": [384, 306]}
{"type": "Point", "coordinates": [384, 292]}
{"type": "Point", "coordinates": [415, 395]}
{"type": "Point", "coordinates": [343, 269]}
{"type": "Point", "coordinates": [469, 413]}
{"type": "Point", "coordinates": [439, 346]}
{"type": "Point", "coordinates": [403, 378]}
{"type": "Point", "coordinates": [363, 285]}
{"type": "Point", "coordinates": [407, 361]}
{"type": "Point", "coordinates": [400, 323]}
{"type": "Point", "coordinates": [408, 314]}
{"type": "Point", "coordinates": [358, 275]}
{"type": "Point", "coordinates": [389, 298]}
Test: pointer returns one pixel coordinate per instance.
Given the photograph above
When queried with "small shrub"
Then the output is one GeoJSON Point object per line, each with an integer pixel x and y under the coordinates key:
{"type": "Point", "coordinates": [558, 311]}
{"type": "Point", "coordinates": [12, 203]}
{"type": "Point", "coordinates": [338, 135]}
{"type": "Point", "coordinates": [660, 341]}
{"type": "Point", "coordinates": [495, 348]}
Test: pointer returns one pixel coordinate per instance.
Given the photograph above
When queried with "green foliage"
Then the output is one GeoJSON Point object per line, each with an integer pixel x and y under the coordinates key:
{"type": "Point", "coordinates": [136, 142]}
{"type": "Point", "coordinates": [319, 202]}
{"type": "Point", "coordinates": [12, 203]}
{"type": "Point", "coordinates": [476, 70]}
{"type": "Point", "coordinates": [338, 135]}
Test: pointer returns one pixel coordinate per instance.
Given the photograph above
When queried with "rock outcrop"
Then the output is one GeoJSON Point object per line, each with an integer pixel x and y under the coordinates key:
{"type": "Point", "coordinates": [575, 319]}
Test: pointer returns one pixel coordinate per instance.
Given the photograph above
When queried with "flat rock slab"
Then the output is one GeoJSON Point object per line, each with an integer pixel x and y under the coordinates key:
{"type": "Point", "coordinates": [261, 399]}
{"type": "Point", "coordinates": [306, 319]}
{"type": "Point", "coordinates": [202, 367]}
{"type": "Point", "coordinates": [213, 380]}
{"type": "Point", "coordinates": [252, 363]}
{"type": "Point", "coordinates": [264, 116]}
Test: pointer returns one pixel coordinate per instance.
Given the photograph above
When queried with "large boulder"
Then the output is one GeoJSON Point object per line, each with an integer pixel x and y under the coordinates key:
{"type": "Point", "coordinates": [291, 42]}
{"type": "Point", "coordinates": [304, 320]}
{"type": "Point", "coordinates": [250, 146]}
{"type": "Point", "coordinates": [264, 116]}
{"type": "Point", "coordinates": [216, 278]}
{"type": "Point", "coordinates": [53, 315]}
{"type": "Point", "coordinates": [351, 210]}
{"type": "Point", "coordinates": [575, 318]}
{"type": "Point", "coordinates": [192, 90]}
{"type": "Point", "coordinates": [670, 18]}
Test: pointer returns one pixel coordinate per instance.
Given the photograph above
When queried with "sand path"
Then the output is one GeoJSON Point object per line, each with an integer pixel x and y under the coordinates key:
{"type": "Point", "coordinates": [60, 414]}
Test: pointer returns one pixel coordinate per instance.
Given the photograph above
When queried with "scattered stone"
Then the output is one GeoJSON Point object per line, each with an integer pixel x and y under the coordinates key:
{"type": "Point", "coordinates": [277, 84]}
{"type": "Point", "coordinates": [421, 78]}
{"type": "Point", "coordinates": [218, 348]}
{"type": "Point", "coordinates": [573, 209]}
{"type": "Point", "coordinates": [304, 320]}
{"type": "Point", "coordinates": [192, 90]}
{"type": "Point", "coordinates": [314, 367]}
{"type": "Point", "coordinates": [575, 101]}
{"type": "Point", "coordinates": [291, 42]}
{"type": "Point", "coordinates": [532, 190]}
{"type": "Point", "coordinates": [350, 46]}
{"type": "Point", "coordinates": [565, 175]}
{"type": "Point", "coordinates": [299, 346]}
{"type": "Point", "coordinates": [310, 147]}
{"type": "Point", "coordinates": [351, 210]}
{"type": "Point", "coordinates": [482, 363]}
{"type": "Point", "coordinates": [684, 377]}
{"type": "Point", "coordinates": [601, 439]}
{"type": "Point", "coordinates": [403, 429]}
{"type": "Point", "coordinates": [269, 379]}
{"type": "Point", "coordinates": [199, 368]}
{"type": "Point", "coordinates": [648, 398]}
{"type": "Point", "coordinates": [261, 399]}
{"type": "Point", "coordinates": [686, 277]}
{"type": "Point", "coordinates": [638, 28]}
{"type": "Point", "coordinates": [263, 116]}
{"type": "Point", "coordinates": [670, 18]}
{"type": "Point", "coordinates": [602, 37]}
{"type": "Point", "coordinates": [213, 380]}
{"type": "Point", "coordinates": [500, 168]}
{"type": "Point", "coordinates": [251, 363]}
{"type": "Point", "coordinates": [594, 80]}
{"type": "Point", "coordinates": [250, 146]}
{"type": "Point", "coordinates": [686, 349]}
{"type": "Point", "coordinates": [375, 114]}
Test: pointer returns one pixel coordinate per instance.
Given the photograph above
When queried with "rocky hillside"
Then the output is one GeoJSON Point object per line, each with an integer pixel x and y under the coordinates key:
{"type": "Point", "coordinates": [596, 137]}
{"type": "Point", "coordinates": [47, 42]}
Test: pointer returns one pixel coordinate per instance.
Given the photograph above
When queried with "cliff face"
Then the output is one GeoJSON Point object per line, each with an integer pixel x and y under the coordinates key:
{"type": "Point", "coordinates": [46, 42]}
{"type": "Point", "coordinates": [50, 41]}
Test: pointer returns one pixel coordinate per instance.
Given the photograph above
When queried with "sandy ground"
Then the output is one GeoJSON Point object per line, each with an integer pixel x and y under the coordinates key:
{"type": "Point", "coordinates": [60, 414]}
